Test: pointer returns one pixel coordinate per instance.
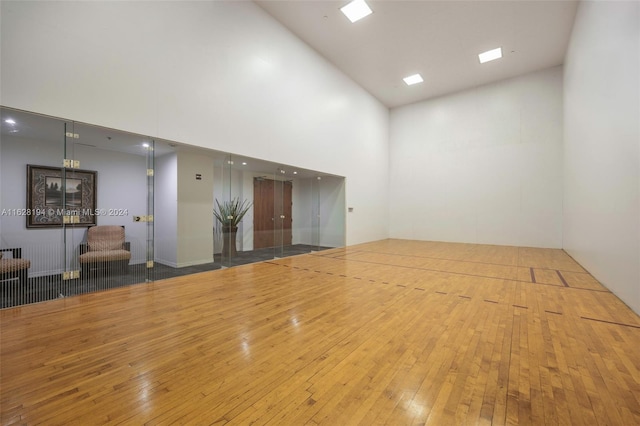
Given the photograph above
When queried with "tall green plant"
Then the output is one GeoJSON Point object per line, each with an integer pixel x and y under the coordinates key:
{"type": "Point", "coordinates": [230, 213]}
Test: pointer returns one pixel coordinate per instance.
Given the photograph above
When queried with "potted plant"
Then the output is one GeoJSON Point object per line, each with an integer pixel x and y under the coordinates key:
{"type": "Point", "coordinates": [230, 214]}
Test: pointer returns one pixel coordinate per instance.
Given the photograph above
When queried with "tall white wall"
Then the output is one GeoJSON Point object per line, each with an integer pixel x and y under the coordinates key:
{"type": "Point", "coordinates": [246, 226]}
{"type": "Point", "coordinates": [225, 76]}
{"type": "Point", "coordinates": [332, 211]}
{"type": "Point", "coordinates": [302, 211]}
{"type": "Point", "coordinates": [480, 166]}
{"type": "Point", "coordinates": [195, 209]}
{"type": "Point", "coordinates": [602, 145]}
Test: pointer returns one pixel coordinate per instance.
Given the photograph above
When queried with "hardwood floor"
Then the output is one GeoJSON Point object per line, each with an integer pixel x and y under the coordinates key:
{"type": "Point", "coordinates": [391, 332]}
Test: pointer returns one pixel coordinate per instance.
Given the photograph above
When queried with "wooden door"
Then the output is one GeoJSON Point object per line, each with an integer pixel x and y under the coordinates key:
{"type": "Point", "coordinates": [278, 214]}
{"type": "Point", "coordinates": [263, 210]}
{"type": "Point", "coordinates": [272, 213]}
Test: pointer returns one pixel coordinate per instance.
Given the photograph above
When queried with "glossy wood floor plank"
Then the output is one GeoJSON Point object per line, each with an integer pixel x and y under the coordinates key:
{"type": "Point", "coordinates": [391, 332]}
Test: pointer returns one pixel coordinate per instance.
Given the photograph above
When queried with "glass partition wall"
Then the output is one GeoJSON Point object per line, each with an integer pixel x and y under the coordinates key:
{"type": "Point", "coordinates": [107, 218]}
{"type": "Point", "coordinates": [85, 208]}
{"type": "Point", "coordinates": [31, 234]}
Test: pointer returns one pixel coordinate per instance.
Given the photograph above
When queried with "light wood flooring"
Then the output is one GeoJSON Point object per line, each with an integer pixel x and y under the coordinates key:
{"type": "Point", "coordinates": [392, 332]}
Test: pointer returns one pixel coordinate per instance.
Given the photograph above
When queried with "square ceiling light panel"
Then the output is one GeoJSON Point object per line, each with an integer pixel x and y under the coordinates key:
{"type": "Point", "coordinates": [413, 79]}
{"type": "Point", "coordinates": [490, 55]}
{"type": "Point", "coordinates": [356, 10]}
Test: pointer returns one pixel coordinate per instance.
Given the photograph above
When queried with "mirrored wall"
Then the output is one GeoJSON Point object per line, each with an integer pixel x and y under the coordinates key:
{"type": "Point", "coordinates": [85, 208]}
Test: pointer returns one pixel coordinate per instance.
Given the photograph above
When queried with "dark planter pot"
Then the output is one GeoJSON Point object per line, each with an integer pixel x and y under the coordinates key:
{"type": "Point", "coordinates": [229, 234]}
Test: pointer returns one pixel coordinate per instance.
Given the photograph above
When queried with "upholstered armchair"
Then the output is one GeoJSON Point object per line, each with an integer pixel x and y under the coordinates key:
{"type": "Point", "coordinates": [14, 267]}
{"type": "Point", "coordinates": [105, 248]}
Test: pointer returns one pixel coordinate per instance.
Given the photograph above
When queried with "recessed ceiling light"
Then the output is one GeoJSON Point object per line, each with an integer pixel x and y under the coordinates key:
{"type": "Point", "coordinates": [244, 163]}
{"type": "Point", "coordinates": [413, 79]}
{"type": "Point", "coordinates": [356, 10]}
{"type": "Point", "coordinates": [490, 55]}
{"type": "Point", "coordinates": [10, 121]}
{"type": "Point", "coordinates": [146, 145]}
{"type": "Point", "coordinates": [295, 173]}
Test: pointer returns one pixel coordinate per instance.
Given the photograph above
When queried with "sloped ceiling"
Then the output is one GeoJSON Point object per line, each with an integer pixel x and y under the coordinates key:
{"type": "Point", "coordinates": [440, 40]}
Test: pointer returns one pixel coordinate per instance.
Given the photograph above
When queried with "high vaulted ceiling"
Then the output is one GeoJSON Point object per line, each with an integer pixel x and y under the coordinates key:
{"type": "Point", "coordinates": [440, 40]}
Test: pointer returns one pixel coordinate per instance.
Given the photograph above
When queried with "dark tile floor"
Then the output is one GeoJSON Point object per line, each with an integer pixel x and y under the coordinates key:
{"type": "Point", "coordinates": [261, 255]}
{"type": "Point", "coordinates": [39, 289]}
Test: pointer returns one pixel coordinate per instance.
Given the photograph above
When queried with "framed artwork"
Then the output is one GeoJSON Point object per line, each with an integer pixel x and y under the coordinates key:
{"type": "Point", "coordinates": [47, 187]}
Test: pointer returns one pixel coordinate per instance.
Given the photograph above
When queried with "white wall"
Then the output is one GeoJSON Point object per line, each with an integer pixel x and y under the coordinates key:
{"type": "Point", "coordinates": [195, 209]}
{"type": "Point", "coordinates": [246, 226]}
{"type": "Point", "coordinates": [602, 145]}
{"type": "Point", "coordinates": [326, 198]}
{"type": "Point", "coordinates": [41, 246]}
{"type": "Point", "coordinates": [302, 211]}
{"type": "Point", "coordinates": [226, 76]}
{"type": "Point", "coordinates": [332, 211]}
{"type": "Point", "coordinates": [166, 209]}
{"type": "Point", "coordinates": [121, 185]}
{"type": "Point", "coordinates": [2, 243]}
{"type": "Point", "coordinates": [480, 166]}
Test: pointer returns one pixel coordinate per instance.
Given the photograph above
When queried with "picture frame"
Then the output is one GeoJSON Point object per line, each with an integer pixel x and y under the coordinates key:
{"type": "Point", "coordinates": [45, 196]}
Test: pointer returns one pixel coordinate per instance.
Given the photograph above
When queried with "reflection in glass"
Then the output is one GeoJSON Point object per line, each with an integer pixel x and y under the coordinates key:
{"type": "Point", "coordinates": [162, 196]}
